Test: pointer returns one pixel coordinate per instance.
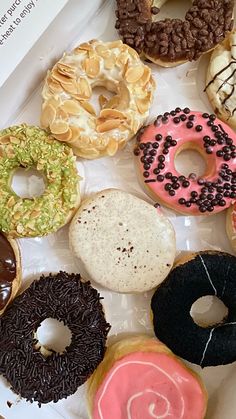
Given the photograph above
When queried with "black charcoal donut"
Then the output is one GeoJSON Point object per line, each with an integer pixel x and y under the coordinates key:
{"type": "Point", "coordinates": [63, 297]}
{"type": "Point", "coordinates": [170, 42]}
{"type": "Point", "coordinates": [205, 273]}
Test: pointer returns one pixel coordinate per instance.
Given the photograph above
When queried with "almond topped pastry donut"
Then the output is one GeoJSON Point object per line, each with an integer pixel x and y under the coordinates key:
{"type": "Point", "coordinates": [170, 42]}
{"type": "Point", "coordinates": [67, 112]}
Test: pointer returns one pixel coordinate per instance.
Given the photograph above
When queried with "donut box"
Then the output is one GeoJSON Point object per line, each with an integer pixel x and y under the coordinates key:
{"type": "Point", "coordinates": [182, 87]}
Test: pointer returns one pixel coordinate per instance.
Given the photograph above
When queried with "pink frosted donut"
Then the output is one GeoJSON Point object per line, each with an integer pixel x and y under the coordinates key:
{"type": "Point", "coordinates": [158, 145]}
{"type": "Point", "coordinates": [146, 385]}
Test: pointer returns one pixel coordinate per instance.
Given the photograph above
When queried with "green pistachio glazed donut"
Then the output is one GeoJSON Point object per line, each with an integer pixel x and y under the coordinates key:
{"type": "Point", "coordinates": [31, 147]}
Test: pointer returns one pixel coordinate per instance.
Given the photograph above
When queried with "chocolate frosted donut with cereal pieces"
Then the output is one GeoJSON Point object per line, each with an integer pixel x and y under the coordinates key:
{"type": "Point", "coordinates": [170, 42]}
{"type": "Point", "coordinates": [35, 372]}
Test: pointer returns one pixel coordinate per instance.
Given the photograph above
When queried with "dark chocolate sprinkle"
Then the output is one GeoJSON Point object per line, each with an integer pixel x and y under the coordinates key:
{"type": "Point", "coordinates": [77, 304]}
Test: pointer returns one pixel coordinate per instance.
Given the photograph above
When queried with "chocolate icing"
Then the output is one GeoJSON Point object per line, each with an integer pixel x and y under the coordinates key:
{"type": "Point", "coordinates": [7, 270]}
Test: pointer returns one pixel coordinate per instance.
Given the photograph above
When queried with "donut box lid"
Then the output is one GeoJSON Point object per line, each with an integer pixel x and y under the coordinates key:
{"type": "Point", "coordinates": [33, 34]}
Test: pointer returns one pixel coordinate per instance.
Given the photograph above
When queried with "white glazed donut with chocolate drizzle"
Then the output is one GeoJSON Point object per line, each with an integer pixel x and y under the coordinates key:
{"type": "Point", "coordinates": [221, 80]}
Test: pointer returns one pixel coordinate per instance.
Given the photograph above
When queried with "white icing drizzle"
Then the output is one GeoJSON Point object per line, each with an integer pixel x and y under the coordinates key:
{"type": "Point", "coordinates": [151, 406]}
{"type": "Point", "coordinates": [225, 280]}
{"type": "Point", "coordinates": [207, 344]}
{"type": "Point", "coordinates": [208, 275]}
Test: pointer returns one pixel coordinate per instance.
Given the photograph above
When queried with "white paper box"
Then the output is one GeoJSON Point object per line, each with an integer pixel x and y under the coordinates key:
{"type": "Point", "coordinates": [181, 86]}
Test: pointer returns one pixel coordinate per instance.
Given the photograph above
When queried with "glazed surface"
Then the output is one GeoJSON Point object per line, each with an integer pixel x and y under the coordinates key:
{"type": "Point", "coordinates": [149, 385]}
{"type": "Point", "coordinates": [159, 143]}
{"type": "Point", "coordinates": [7, 270]}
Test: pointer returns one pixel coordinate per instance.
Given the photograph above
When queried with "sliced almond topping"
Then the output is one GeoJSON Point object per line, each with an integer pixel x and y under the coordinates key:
{"type": "Point", "coordinates": [64, 137]}
{"type": "Point", "coordinates": [61, 114]}
{"type": "Point", "coordinates": [76, 132]}
{"type": "Point", "coordinates": [108, 125]}
{"type": "Point", "coordinates": [102, 101]}
{"type": "Point", "coordinates": [124, 96]}
{"type": "Point", "coordinates": [14, 140]}
{"type": "Point", "coordinates": [86, 153]}
{"type": "Point", "coordinates": [146, 76]}
{"type": "Point", "coordinates": [115, 44]}
{"type": "Point", "coordinates": [85, 46]}
{"type": "Point", "coordinates": [59, 127]}
{"type": "Point", "coordinates": [110, 62]}
{"type": "Point", "coordinates": [92, 67]}
{"type": "Point", "coordinates": [133, 74]}
{"type": "Point", "coordinates": [71, 107]}
{"type": "Point", "coordinates": [60, 77]}
{"type": "Point", "coordinates": [10, 151]}
{"type": "Point", "coordinates": [122, 59]}
{"type": "Point", "coordinates": [48, 115]}
{"type": "Point", "coordinates": [102, 50]}
{"type": "Point", "coordinates": [132, 52]}
{"type": "Point", "coordinates": [113, 102]}
{"type": "Point", "coordinates": [54, 86]}
{"type": "Point", "coordinates": [53, 102]}
{"type": "Point", "coordinates": [70, 87]}
{"type": "Point", "coordinates": [5, 139]}
{"type": "Point", "coordinates": [84, 88]}
{"type": "Point", "coordinates": [143, 104]}
{"type": "Point", "coordinates": [88, 107]}
{"type": "Point", "coordinates": [66, 69]}
{"type": "Point", "coordinates": [112, 114]}
{"type": "Point", "coordinates": [112, 147]}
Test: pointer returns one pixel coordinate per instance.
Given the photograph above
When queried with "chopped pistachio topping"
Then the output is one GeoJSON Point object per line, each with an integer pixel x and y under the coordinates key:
{"type": "Point", "coordinates": [32, 147]}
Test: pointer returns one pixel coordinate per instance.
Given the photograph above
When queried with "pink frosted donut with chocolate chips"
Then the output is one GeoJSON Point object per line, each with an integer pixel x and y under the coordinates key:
{"type": "Point", "coordinates": [158, 145]}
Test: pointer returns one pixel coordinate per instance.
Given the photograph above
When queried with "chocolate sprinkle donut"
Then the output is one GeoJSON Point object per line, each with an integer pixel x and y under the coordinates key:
{"type": "Point", "coordinates": [205, 25]}
{"type": "Point", "coordinates": [206, 273]}
{"type": "Point", "coordinates": [65, 298]}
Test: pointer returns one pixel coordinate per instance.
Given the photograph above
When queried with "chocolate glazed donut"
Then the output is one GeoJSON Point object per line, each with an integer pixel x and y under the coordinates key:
{"type": "Point", "coordinates": [170, 42]}
{"type": "Point", "coordinates": [205, 273]}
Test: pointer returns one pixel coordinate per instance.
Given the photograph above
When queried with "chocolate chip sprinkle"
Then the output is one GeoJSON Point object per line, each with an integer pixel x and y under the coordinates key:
{"type": "Point", "coordinates": [217, 192]}
{"type": "Point", "coordinates": [64, 297]}
{"type": "Point", "coordinates": [206, 24]}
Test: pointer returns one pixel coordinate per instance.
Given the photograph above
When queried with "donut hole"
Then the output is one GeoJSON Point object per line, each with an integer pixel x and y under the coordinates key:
{"type": "Point", "coordinates": [52, 336]}
{"type": "Point", "coordinates": [101, 93]}
{"type": "Point", "coordinates": [171, 9]}
{"type": "Point", "coordinates": [189, 161]}
{"type": "Point", "coordinates": [28, 183]}
{"type": "Point", "coordinates": [208, 311]}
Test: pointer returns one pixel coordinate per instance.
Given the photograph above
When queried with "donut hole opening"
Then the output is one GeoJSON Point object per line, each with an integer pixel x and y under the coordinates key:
{"type": "Point", "coordinates": [100, 95]}
{"type": "Point", "coordinates": [190, 162]}
{"type": "Point", "coordinates": [208, 311]}
{"type": "Point", "coordinates": [52, 336]}
{"type": "Point", "coordinates": [171, 9]}
{"type": "Point", "coordinates": [28, 183]}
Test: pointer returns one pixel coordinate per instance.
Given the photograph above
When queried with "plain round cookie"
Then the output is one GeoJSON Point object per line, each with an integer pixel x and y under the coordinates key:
{"type": "Point", "coordinates": [67, 112]}
{"type": "Point", "coordinates": [220, 80]}
{"type": "Point", "coordinates": [122, 242]}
